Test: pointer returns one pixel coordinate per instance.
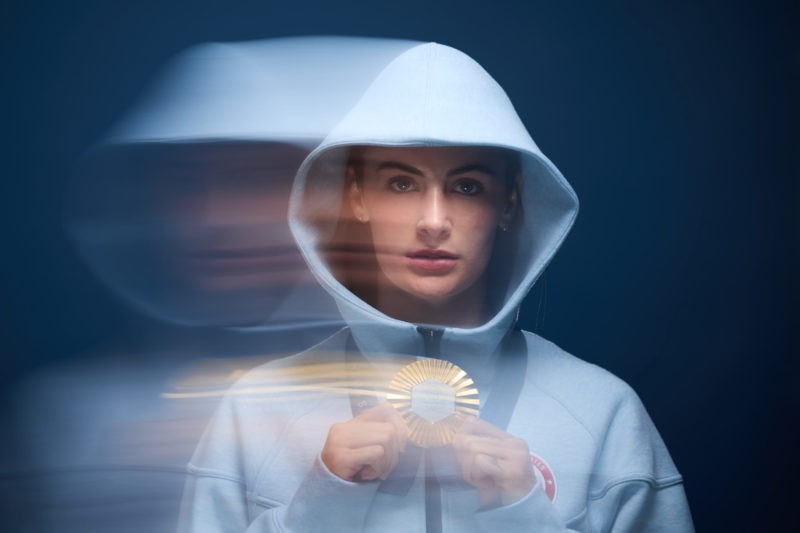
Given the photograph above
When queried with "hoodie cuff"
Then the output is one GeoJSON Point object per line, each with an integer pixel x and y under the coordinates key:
{"type": "Point", "coordinates": [534, 512]}
{"type": "Point", "coordinates": [325, 501]}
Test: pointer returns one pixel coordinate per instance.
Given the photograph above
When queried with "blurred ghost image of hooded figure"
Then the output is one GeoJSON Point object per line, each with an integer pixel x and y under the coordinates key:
{"type": "Point", "coordinates": [428, 213]}
{"type": "Point", "coordinates": [181, 212]}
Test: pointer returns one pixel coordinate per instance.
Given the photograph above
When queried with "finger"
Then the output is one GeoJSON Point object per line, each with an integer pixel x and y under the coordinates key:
{"type": "Point", "coordinates": [512, 449]}
{"type": "Point", "coordinates": [476, 426]}
{"type": "Point", "coordinates": [479, 476]}
{"type": "Point", "coordinates": [392, 459]}
{"type": "Point", "coordinates": [483, 472]}
{"type": "Point", "coordinates": [487, 466]}
{"type": "Point", "coordinates": [351, 464]}
{"type": "Point", "coordinates": [366, 474]}
{"type": "Point", "coordinates": [466, 427]}
{"type": "Point", "coordinates": [386, 413]}
{"type": "Point", "coordinates": [487, 462]}
{"type": "Point", "coordinates": [369, 462]}
{"type": "Point", "coordinates": [461, 448]}
{"type": "Point", "coordinates": [359, 434]}
{"type": "Point", "coordinates": [389, 414]}
{"type": "Point", "coordinates": [470, 472]}
{"type": "Point", "coordinates": [402, 430]}
{"type": "Point", "coordinates": [380, 413]}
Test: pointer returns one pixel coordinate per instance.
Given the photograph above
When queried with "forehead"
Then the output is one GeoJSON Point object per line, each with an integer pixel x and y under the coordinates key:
{"type": "Point", "coordinates": [436, 157]}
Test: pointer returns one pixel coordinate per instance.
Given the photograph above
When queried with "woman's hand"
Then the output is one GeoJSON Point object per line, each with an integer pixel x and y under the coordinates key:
{"type": "Point", "coordinates": [494, 462]}
{"type": "Point", "coordinates": [366, 447]}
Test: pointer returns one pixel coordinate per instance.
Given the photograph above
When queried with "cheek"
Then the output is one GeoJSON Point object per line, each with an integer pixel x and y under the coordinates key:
{"type": "Point", "coordinates": [389, 216]}
{"type": "Point", "coordinates": [478, 232]}
{"type": "Point", "coordinates": [479, 218]}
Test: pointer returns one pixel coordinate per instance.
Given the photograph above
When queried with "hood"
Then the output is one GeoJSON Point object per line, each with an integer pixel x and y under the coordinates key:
{"type": "Point", "coordinates": [293, 89]}
{"type": "Point", "coordinates": [434, 95]}
{"type": "Point", "coordinates": [164, 208]}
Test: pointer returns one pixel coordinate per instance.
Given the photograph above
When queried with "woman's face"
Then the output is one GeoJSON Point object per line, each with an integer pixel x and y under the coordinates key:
{"type": "Point", "coordinates": [433, 213]}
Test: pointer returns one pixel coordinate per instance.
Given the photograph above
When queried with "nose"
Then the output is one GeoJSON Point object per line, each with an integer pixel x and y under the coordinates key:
{"type": "Point", "coordinates": [434, 223]}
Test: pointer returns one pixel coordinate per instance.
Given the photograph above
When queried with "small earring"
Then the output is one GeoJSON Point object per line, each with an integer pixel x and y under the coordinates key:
{"type": "Point", "coordinates": [503, 226]}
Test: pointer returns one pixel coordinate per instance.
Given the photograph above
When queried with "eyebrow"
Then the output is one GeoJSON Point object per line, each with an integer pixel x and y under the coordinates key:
{"type": "Point", "coordinates": [472, 168]}
{"type": "Point", "coordinates": [477, 167]}
{"type": "Point", "coordinates": [399, 166]}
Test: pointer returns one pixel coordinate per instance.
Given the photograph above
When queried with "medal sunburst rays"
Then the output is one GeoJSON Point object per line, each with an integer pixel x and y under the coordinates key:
{"type": "Point", "coordinates": [433, 397]}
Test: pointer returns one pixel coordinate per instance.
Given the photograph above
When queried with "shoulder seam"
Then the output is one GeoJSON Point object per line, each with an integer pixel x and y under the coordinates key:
{"type": "Point", "coordinates": [207, 472]}
{"type": "Point", "coordinates": [554, 397]}
{"type": "Point", "coordinates": [657, 483]}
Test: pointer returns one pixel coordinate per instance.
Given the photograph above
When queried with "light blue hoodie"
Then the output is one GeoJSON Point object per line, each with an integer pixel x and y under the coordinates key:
{"type": "Point", "coordinates": [599, 461]}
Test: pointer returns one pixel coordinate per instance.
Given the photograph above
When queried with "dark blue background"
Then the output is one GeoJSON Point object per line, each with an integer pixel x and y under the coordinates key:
{"type": "Point", "coordinates": [676, 125]}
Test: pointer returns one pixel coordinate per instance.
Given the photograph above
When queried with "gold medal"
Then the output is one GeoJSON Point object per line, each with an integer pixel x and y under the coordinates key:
{"type": "Point", "coordinates": [433, 397]}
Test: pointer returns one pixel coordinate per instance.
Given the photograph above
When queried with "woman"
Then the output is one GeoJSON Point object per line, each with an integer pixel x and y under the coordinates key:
{"type": "Point", "coordinates": [428, 213]}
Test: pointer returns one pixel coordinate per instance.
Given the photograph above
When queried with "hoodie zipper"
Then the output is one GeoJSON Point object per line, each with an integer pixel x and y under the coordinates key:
{"type": "Point", "coordinates": [432, 341]}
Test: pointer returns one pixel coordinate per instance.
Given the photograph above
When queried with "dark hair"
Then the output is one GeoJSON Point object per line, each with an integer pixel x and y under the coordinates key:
{"type": "Point", "coordinates": [513, 165]}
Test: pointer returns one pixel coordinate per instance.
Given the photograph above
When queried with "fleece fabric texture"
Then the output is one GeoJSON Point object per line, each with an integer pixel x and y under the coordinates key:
{"type": "Point", "coordinates": [599, 461]}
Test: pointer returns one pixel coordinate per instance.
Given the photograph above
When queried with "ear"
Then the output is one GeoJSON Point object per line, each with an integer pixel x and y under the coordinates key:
{"type": "Point", "coordinates": [512, 201]}
{"type": "Point", "coordinates": [355, 196]}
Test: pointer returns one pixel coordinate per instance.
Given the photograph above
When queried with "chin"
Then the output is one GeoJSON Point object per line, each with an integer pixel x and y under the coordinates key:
{"type": "Point", "coordinates": [434, 294]}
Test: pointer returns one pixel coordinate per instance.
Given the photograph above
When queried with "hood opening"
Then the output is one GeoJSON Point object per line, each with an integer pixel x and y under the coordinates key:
{"type": "Point", "coordinates": [343, 246]}
{"type": "Point", "coordinates": [430, 95]}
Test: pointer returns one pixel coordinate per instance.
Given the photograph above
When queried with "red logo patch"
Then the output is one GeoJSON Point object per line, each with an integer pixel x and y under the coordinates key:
{"type": "Point", "coordinates": [545, 476]}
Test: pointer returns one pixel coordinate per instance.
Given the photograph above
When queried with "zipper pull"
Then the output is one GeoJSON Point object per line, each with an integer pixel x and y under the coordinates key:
{"type": "Point", "coordinates": [432, 340]}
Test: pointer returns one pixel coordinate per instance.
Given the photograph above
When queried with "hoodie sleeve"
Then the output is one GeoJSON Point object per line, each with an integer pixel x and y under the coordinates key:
{"type": "Point", "coordinates": [323, 502]}
{"type": "Point", "coordinates": [217, 496]}
{"type": "Point", "coordinates": [534, 512]}
{"type": "Point", "coordinates": [631, 505]}
{"type": "Point", "coordinates": [633, 484]}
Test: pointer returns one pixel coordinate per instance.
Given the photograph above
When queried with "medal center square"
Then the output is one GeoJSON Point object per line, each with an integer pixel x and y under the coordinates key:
{"type": "Point", "coordinates": [433, 400]}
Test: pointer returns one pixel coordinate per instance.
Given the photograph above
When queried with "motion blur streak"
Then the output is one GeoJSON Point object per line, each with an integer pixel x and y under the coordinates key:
{"type": "Point", "coordinates": [353, 379]}
{"type": "Point", "coordinates": [180, 211]}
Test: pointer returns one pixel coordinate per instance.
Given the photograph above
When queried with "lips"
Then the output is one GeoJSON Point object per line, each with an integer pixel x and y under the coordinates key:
{"type": "Point", "coordinates": [432, 260]}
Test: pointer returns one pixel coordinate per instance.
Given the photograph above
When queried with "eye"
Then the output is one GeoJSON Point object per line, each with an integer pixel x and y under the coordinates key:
{"type": "Point", "coordinates": [401, 184]}
{"type": "Point", "coordinates": [468, 187]}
